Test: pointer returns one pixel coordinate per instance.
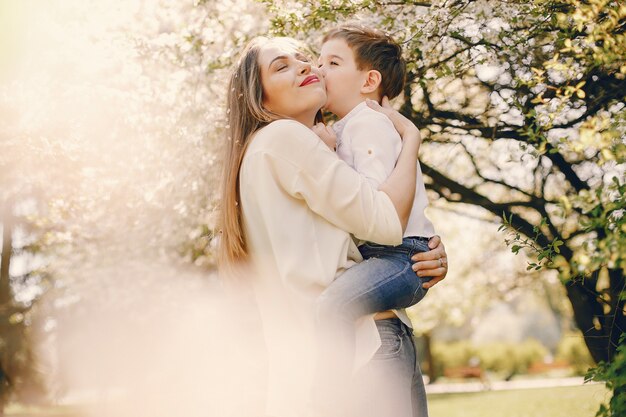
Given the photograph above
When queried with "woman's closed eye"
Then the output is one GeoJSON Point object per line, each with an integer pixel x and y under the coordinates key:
{"type": "Point", "coordinates": [280, 66]}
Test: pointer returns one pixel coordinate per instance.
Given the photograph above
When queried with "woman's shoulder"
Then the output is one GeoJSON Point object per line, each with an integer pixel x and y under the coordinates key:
{"type": "Point", "coordinates": [284, 126]}
{"type": "Point", "coordinates": [283, 136]}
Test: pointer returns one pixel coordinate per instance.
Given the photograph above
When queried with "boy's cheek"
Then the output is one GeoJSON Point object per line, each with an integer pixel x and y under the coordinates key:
{"type": "Point", "coordinates": [330, 86]}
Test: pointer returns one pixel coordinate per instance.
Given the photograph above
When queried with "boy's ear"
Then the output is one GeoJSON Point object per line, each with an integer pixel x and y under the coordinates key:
{"type": "Point", "coordinates": [372, 81]}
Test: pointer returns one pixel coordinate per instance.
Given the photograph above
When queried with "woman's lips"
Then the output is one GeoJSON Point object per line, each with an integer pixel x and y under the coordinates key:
{"type": "Point", "coordinates": [309, 80]}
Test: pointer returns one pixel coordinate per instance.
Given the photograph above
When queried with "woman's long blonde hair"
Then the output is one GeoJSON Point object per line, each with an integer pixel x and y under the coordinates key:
{"type": "Point", "coordinates": [246, 115]}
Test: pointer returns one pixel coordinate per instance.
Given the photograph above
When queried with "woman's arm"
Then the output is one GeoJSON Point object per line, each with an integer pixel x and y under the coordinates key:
{"type": "Point", "coordinates": [288, 155]}
{"type": "Point", "coordinates": [400, 185]}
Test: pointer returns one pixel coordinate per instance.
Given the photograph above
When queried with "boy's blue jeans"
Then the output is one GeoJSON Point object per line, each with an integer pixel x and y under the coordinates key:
{"type": "Point", "coordinates": [383, 281]}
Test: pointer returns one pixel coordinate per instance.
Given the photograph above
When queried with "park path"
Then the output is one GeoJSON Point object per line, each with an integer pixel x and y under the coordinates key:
{"type": "Point", "coordinates": [463, 387]}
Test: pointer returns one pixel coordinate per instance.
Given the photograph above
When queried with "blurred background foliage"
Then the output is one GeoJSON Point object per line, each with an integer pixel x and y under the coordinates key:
{"type": "Point", "coordinates": [112, 115]}
{"type": "Point", "coordinates": [505, 360]}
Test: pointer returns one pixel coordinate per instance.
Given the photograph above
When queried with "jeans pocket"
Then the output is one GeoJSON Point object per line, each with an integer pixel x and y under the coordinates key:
{"type": "Point", "coordinates": [390, 344]}
{"type": "Point", "coordinates": [370, 250]}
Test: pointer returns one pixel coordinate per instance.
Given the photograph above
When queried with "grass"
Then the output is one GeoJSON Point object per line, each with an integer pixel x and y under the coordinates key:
{"type": "Point", "coordinates": [581, 401]}
{"type": "Point", "coordinates": [17, 410]}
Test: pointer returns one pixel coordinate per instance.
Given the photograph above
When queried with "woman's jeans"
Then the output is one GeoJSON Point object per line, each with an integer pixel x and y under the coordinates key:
{"type": "Point", "coordinates": [391, 383]}
{"type": "Point", "coordinates": [384, 281]}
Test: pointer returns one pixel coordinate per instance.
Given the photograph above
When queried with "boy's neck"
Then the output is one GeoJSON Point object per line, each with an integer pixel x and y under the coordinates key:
{"type": "Point", "coordinates": [351, 104]}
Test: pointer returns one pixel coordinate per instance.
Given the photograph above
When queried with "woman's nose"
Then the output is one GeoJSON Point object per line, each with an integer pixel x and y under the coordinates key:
{"type": "Point", "coordinates": [305, 68]}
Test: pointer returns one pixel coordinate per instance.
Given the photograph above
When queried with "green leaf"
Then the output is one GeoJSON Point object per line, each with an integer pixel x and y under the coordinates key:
{"type": "Point", "coordinates": [556, 245]}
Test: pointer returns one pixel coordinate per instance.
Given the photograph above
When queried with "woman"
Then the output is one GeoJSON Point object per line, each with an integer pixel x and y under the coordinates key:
{"type": "Point", "coordinates": [289, 206]}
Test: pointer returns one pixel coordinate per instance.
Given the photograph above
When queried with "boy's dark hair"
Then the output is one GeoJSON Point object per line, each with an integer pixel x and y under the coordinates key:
{"type": "Point", "coordinates": [375, 50]}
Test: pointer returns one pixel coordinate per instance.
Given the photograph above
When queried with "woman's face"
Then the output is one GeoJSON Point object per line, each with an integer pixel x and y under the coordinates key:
{"type": "Point", "coordinates": [292, 87]}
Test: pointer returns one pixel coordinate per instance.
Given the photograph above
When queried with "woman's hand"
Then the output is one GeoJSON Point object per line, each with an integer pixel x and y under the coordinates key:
{"type": "Point", "coordinates": [403, 125]}
{"type": "Point", "coordinates": [433, 263]}
{"type": "Point", "coordinates": [326, 134]}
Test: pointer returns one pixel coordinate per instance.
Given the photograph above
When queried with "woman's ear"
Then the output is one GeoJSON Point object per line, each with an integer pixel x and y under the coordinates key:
{"type": "Point", "coordinates": [372, 82]}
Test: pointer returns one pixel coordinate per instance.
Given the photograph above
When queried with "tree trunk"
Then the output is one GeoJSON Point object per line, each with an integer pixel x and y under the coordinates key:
{"type": "Point", "coordinates": [5, 298]}
{"type": "Point", "coordinates": [617, 323]}
{"type": "Point", "coordinates": [430, 360]}
{"type": "Point", "coordinates": [601, 330]}
{"type": "Point", "coordinates": [5, 261]}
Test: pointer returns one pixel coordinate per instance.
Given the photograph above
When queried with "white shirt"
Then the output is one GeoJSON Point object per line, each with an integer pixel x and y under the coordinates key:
{"type": "Point", "coordinates": [300, 203]}
{"type": "Point", "coordinates": [368, 142]}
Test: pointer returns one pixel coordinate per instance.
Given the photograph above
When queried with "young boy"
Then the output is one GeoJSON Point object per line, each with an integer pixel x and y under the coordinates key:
{"type": "Point", "coordinates": [358, 64]}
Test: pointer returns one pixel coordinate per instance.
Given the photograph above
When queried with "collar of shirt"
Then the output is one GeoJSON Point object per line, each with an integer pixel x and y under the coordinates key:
{"type": "Point", "coordinates": [339, 125]}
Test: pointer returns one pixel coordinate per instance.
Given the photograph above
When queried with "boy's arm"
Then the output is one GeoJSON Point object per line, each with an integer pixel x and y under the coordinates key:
{"type": "Point", "coordinates": [375, 145]}
{"type": "Point", "coordinates": [400, 185]}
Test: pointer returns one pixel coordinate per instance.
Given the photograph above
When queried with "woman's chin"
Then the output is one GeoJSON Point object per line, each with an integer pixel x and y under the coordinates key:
{"type": "Point", "coordinates": [322, 99]}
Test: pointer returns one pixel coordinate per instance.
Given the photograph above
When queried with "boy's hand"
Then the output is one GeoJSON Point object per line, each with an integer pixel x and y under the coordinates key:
{"type": "Point", "coordinates": [403, 125]}
{"type": "Point", "coordinates": [326, 134]}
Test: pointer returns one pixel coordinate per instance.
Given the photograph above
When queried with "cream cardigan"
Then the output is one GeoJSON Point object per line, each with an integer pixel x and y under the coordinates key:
{"type": "Point", "coordinates": [300, 203]}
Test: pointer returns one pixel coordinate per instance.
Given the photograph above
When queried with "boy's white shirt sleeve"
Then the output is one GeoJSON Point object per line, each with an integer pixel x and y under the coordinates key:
{"type": "Point", "coordinates": [375, 145]}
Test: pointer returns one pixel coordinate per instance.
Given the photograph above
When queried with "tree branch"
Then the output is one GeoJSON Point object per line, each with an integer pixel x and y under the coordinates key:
{"type": "Point", "coordinates": [404, 3]}
{"type": "Point", "coordinates": [566, 168]}
{"type": "Point", "coordinates": [556, 158]}
{"type": "Point", "coordinates": [534, 198]}
{"type": "Point", "coordinates": [445, 186]}
{"type": "Point", "coordinates": [600, 90]}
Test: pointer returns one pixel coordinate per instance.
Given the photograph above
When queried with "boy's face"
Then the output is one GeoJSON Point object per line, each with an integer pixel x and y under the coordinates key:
{"type": "Point", "coordinates": [343, 80]}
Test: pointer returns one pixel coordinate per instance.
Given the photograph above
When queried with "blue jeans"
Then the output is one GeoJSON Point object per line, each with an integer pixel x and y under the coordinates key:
{"type": "Point", "coordinates": [384, 281]}
{"type": "Point", "coordinates": [391, 383]}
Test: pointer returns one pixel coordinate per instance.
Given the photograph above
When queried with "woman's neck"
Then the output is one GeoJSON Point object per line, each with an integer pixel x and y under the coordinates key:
{"type": "Point", "coordinates": [307, 119]}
